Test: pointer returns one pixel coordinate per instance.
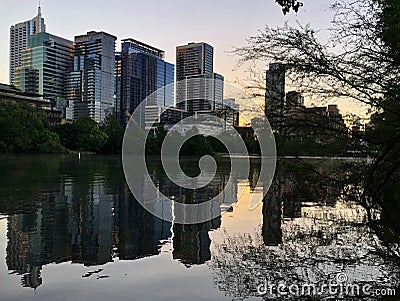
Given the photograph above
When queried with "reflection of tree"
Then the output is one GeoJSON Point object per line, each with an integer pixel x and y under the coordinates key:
{"type": "Point", "coordinates": [313, 252]}
{"type": "Point", "coordinates": [311, 230]}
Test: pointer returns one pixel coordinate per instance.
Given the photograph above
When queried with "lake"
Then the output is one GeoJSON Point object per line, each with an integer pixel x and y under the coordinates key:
{"type": "Point", "coordinates": [70, 229]}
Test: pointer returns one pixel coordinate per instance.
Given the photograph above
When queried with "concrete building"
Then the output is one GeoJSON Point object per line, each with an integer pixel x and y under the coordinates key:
{"type": "Point", "coordinates": [294, 99]}
{"type": "Point", "coordinates": [10, 93]}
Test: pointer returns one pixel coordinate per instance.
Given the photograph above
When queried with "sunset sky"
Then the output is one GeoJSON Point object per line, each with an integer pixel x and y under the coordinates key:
{"type": "Point", "coordinates": [163, 24]}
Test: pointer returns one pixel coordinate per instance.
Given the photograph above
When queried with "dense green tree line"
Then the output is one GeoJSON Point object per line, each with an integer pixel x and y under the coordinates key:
{"type": "Point", "coordinates": [27, 130]}
{"type": "Point", "coordinates": [197, 145]}
{"type": "Point", "coordinates": [86, 135]}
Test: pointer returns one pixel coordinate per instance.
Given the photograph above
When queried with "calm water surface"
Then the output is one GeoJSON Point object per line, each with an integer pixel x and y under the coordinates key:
{"type": "Point", "coordinates": [71, 230]}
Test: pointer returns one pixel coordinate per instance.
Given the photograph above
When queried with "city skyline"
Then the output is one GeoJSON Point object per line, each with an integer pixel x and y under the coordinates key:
{"type": "Point", "coordinates": [167, 25]}
{"type": "Point", "coordinates": [163, 30]}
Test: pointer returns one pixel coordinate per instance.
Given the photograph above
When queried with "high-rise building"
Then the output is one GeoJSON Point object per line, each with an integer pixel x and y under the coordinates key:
{"type": "Point", "coordinates": [90, 84]}
{"type": "Point", "coordinates": [141, 73]}
{"type": "Point", "coordinates": [275, 94]}
{"type": "Point", "coordinates": [19, 38]}
{"type": "Point", "coordinates": [44, 67]}
{"type": "Point", "coordinates": [194, 59]}
{"type": "Point", "coordinates": [200, 93]}
{"type": "Point", "coordinates": [198, 87]}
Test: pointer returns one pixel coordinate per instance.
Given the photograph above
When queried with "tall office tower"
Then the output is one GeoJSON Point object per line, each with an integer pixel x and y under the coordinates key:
{"type": "Point", "coordinates": [90, 84]}
{"type": "Point", "coordinates": [275, 94]}
{"type": "Point", "coordinates": [44, 67]}
{"type": "Point", "coordinates": [198, 87]}
{"type": "Point", "coordinates": [19, 38]}
{"type": "Point", "coordinates": [141, 73]}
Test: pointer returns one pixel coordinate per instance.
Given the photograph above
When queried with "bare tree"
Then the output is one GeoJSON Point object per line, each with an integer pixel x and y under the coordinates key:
{"type": "Point", "coordinates": [359, 62]}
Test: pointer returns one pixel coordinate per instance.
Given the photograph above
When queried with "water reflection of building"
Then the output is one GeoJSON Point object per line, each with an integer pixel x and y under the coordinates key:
{"type": "Point", "coordinates": [286, 197]}
{"type": "Point", "coordinates": [78, 226]}
{"type": "Point", "coordinates": [21, 249]}
{"type": "Point", "coordinates": [138, 232]}
{"type": "Point", "coordinates": [192, 242]}
{"type": "Point", "coordinates": [89, 217]}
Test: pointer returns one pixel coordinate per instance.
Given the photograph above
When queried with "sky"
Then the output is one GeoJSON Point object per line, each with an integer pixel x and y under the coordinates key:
{"type": "Point", "coordinates": [163, 24]}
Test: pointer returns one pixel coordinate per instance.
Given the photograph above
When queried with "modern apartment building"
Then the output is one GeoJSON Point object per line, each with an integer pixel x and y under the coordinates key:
{"type": "Point", "coordinates": [45, 63]}
{"type": "Point", "coordinates": [198, 88]}
{"type": "Point", "coordinates": [200, 93]}
{"type": "Point", "coordinates": [194, 59]}
{"type": "Point", "coordinates": [90, 84]}
{"type": "Point", "coordinates": [19, 38]}
{"type": "Point", "coordinates": [141, 73]}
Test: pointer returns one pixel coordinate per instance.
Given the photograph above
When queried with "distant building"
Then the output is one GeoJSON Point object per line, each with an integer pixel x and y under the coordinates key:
{"type": "Point", "coordinates": [90, 84]}
{"type": "Point", "coordinates": [323, 124]}
{"type": "Point", "coordinates": [199, 90]}
{"type": "Point", "coordinates": [294, 99]}
{"type": "Point", "coordinates": [275, 94]}
{"type": "Point", "coordinates": [19, 38]}
{"type": "Point", "coordinates": [230, 112]}
{"type": "Point", "coordinates": [156, 115]}
{"type": "Point", "coordinates": [45, 63]}
{"type": "Point", "coordinates": [141, 72]}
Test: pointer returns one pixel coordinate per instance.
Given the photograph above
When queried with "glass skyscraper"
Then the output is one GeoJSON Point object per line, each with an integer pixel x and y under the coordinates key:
{"type": "Point", "coordinates": [45, 64]}
{"type": "Point", "coordinates": [141, 73]}
{"type": "Point", "coordinates": [90, 84]}
{"type": "Point", "coordinates": [19, 38]}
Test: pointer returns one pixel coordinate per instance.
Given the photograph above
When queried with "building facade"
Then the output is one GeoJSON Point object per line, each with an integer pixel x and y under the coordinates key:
{"type": "Point", "coordinates": [200, 93]}
{"type": "Point", "coordinates": [194, 59]}
{"type": "Point", "coordinates": [19, 38]}
{"type": "Point", "coordinates": [199, 89]}
{"type": "Point", "coordinates": [45, 64]}
{"type": "Point", "coordinates": [90, 84]}
{"type": "Point", "coordinates": [141, 73]}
